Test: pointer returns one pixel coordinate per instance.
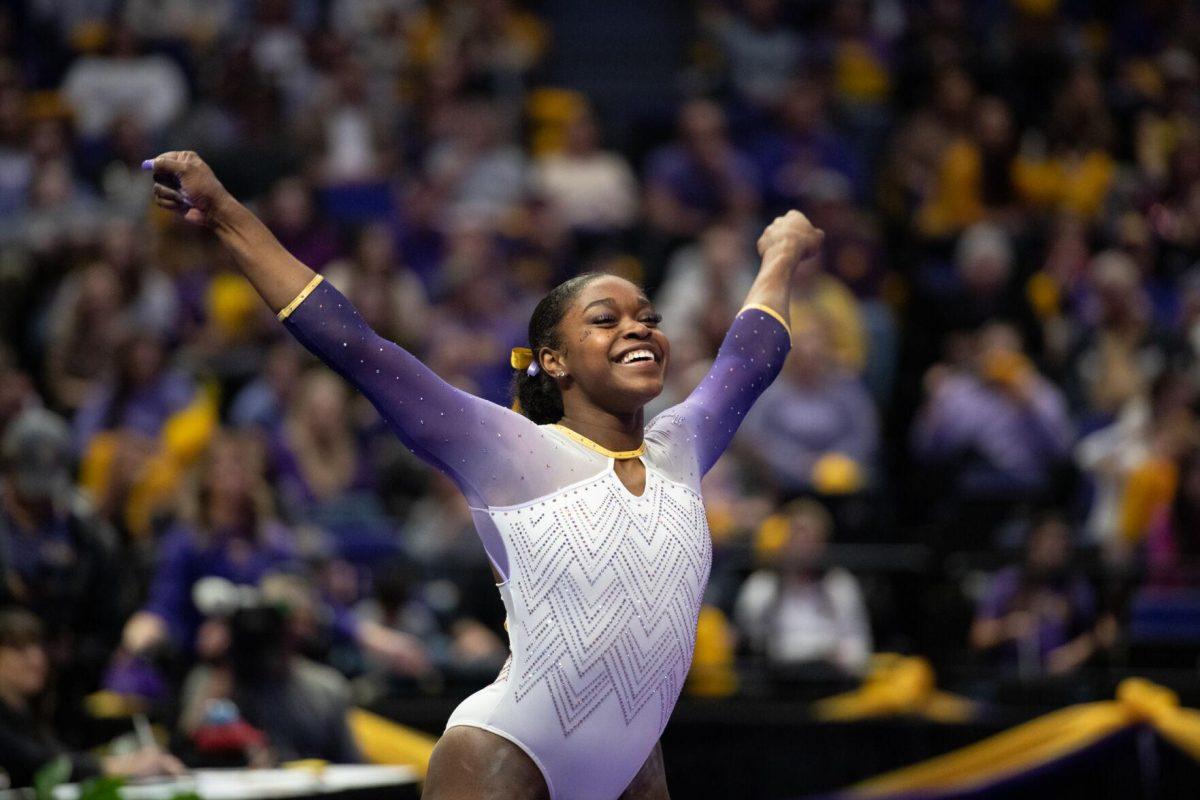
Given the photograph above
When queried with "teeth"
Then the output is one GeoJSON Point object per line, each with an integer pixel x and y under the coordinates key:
{"type": "Point", "coordinates": [637, 355]}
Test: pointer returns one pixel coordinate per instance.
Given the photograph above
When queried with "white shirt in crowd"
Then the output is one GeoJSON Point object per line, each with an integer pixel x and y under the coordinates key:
{"type": "Point", "coordinates": [798, 622]}
{"type": "Point", "coordinates": [595, 192]}
{"type": "Point", "coordinates": [149, 88]}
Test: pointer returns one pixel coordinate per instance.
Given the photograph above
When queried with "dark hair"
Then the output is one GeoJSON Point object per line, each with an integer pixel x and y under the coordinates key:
{"type": "Point", "coordinates": [537, 396]}
{"type": "Point", "coordinates": [19, 627]}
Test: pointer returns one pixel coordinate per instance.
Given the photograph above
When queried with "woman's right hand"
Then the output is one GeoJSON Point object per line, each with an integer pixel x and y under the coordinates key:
{"type": "Point", "coordinates": [184, 184]}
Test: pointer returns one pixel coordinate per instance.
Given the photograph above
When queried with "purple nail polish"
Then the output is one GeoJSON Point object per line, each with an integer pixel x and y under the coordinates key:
{"type": "Point", "coordinates": [148, 163]}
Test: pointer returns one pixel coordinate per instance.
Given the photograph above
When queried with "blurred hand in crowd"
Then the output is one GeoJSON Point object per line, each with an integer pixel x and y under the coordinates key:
{"type": "Point", "coordinates": [148, 762]}
{"type": "Point", "coordinates": [400, 652]}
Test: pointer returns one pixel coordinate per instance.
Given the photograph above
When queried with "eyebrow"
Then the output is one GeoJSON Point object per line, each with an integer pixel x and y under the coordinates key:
{"type": "Point", "coordinates": [643, 301]}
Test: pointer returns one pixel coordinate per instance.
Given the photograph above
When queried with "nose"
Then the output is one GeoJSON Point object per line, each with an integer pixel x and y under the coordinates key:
{"type": "Point", "coordinates": [638, 330]}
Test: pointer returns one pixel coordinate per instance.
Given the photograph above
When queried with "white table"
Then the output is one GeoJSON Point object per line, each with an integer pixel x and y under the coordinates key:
{"type": "Point", "coordinates": [259, 784]}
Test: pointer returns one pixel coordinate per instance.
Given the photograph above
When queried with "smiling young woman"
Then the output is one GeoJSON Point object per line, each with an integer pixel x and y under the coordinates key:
{"type": "Point", "coordinates": [592, 519]}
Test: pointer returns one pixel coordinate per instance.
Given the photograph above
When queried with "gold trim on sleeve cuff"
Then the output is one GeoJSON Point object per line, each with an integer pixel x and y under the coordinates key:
{"type": "Point", "coordinates": [300, 298]}
{"type": "Point", "coordinates": [771, 312]}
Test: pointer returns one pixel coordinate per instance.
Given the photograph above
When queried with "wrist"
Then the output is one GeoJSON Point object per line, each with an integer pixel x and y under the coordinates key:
{"type": "Point", "coordinates": [227, 214]}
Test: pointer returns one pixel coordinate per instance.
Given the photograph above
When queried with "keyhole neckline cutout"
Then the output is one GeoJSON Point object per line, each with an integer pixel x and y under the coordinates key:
{"type": "Point", "coordinates": [612, 468]}
{"type": "Point", "coordinates": [616, 455]}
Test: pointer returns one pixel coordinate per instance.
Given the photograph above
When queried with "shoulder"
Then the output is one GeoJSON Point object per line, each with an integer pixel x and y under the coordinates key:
{"type": "Point", "coordinates": [669, 449]}
{"type": "Point", "coordinates": [179, 542]}
{"type": "Point", "coordinates": [758, 591]}
{"type": "Point", "coordinates": [842, 584]}
{"type": "Point", "coordinates": [665, 160]}
{"type": "Point", "coordinates": [1004, 583]}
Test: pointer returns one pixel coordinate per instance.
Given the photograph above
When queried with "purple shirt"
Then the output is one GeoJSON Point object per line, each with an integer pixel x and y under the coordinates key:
{"type": "Point", "coordinates": [184, 557]}
{"type": "Point", "coordinates": [143, 410]}
{"type": "Point", "coordinates": [1003, 444]}
{"type": "Point", "coordinates": [674, 170]}
{"type": "Point", "coordinates": [793, 425]}
{"type": "Point", "coordinates": [1064, 609]}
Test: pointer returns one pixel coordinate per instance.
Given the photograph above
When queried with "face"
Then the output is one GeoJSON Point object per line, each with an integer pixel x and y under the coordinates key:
{"type": "Point", "coordinates": [610, 346]}
{"type": "Point", "coordinates": [23, 668]}
{"type": "Point", "coordinates": [1050, 547]}
{"type": "Point", "coordinates": [806, 543]}
{"type": "Point", "coordinates": [582, 135]}
{"type": "Point", "coordinates": [811, 353]}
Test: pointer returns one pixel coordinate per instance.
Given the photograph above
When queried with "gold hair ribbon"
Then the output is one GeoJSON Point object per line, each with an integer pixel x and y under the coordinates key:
{"type": "Point", "coordinates": [521, 358]}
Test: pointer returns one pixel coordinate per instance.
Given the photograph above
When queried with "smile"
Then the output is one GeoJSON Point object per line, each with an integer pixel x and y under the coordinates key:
{"type": "Point", "coordinates": [641, 355]}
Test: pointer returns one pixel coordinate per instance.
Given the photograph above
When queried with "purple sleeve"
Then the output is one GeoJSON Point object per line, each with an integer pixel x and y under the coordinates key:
{"type": "Point", "coordinates": [467, 437]}
{"type": "Point", "coordinates": [997, 601]}
{"type": "Point", "coordinates": [749, 359]}
{"type": "Point", "coordinates": [945, 423]}
{"type": "Point", "coordinates": [170, 594]}
{"type": "Point", "coordinates": [1049, 424]}
{"type": "Point", "coordinates": [859, 436]}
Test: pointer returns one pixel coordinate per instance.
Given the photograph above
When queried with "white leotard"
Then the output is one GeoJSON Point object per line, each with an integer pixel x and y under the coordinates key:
{"type": "Point", "coordinates": [602, 588]}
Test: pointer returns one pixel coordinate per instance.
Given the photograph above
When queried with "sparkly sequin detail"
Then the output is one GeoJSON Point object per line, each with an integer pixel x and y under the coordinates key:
{"type": "Point", "coordinates": [609, 586]}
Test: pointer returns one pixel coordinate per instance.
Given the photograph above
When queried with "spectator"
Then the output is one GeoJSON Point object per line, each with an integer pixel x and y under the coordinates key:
{"type": "Point", "coordinates": [1040, 616]}
{"type": "Point", "coordinates": [816, 428]}
{"type": "Point", "coordinates": [1172, 546]}
{"type": "Point", "coordinates": [299, 705]}
{"type": "Point", "coordinates": [317, 459]}
{"type": "Point", "coordinates": [1118, 352]}
{"type": "Point", "coordinates": [227, 529]}
{"type": "Point", "coordinates": [58, 558]}
{"type": "Point", "coordinates": [1075, 171]}
{"type": "Point", "coordinates": [263, 402]}
{"type": "Point", "coordinates": [981, 288]}
{"type": "Point", "coordinates": [594, 190]}
{"type": "Point", "coordinates": [352, 139]}
{"type": "Point", "coordinates": [800, 609]}
{"type": "Point", "coordinates": [475, 163]}
{"type": "Point", "coordinates": [16, 391]}
{"type": "Point", "coordinates": [26, 742]}
{"type": "Point", "coordinates": [142, 394]}
{"type": "Point", "coordinates": [695, 298]}
{"type": "Point", "coordinates": [761, 54]}
{"type": "Point", "coordinates": [700, 177]}
{"type": "Point", "coordinates": [803, 143]}
{"type": "Point", "coordinates": [292, 218]}
{"type": "Point", "coordinates": [389, 295]}
{"type": "Point", "coordinates": [150, 87]}
{"type": "Point", "coordinates": [84, 338]}
{"type": "Point", "coordinates": [997, 428]}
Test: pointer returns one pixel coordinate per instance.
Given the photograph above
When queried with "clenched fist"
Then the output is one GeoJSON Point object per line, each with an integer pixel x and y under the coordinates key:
{"type": "Point", "coordinates": [183, 183]}
{"type": "Point", "coordinates": [791, 238]}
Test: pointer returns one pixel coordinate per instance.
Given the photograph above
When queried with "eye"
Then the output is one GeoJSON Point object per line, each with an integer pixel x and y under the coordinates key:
{"type": "Point", "coordinates": [652, 320]}
{"type": "Point", "coordinates": [603, 319]}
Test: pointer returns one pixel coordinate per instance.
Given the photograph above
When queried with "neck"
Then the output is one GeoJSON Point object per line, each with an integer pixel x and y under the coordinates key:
{"type": "Point", "coordinates": [613, 431]}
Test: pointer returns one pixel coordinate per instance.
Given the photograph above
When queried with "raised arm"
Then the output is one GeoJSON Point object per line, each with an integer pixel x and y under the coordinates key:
{"type": "Point", "coordinates": [442, 424]}
{"type": "Point", "coordinates": [789, 243]}
{"type": "Point", "coordinates": [751, 355]}
{"type": "Point", "coordinates": [201, 199]}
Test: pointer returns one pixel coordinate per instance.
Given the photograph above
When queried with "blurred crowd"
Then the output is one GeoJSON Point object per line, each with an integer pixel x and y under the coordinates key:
{"type": "Point", "coordinates": [999, 361]}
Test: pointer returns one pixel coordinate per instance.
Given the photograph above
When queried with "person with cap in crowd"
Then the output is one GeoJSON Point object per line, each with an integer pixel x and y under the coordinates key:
{"type": "Point", "coordinates": [57, 556]}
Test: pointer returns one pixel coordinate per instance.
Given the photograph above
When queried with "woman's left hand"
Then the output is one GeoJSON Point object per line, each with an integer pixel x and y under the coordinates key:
{"type": "Point", "coordinates": [791, 239]}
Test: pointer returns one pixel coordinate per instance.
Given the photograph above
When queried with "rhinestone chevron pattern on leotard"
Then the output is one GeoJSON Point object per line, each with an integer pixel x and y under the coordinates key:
{"type": "Point", "coordinates": [610, 588]}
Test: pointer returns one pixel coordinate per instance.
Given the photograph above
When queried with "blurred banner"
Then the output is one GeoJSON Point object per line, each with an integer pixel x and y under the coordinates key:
{"type": "Point", "coordinates": [1050, 750]}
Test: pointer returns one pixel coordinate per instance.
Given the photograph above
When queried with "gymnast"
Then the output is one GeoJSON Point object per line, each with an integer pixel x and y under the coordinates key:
{"type": "Point", "coordinates": [592, 520]}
